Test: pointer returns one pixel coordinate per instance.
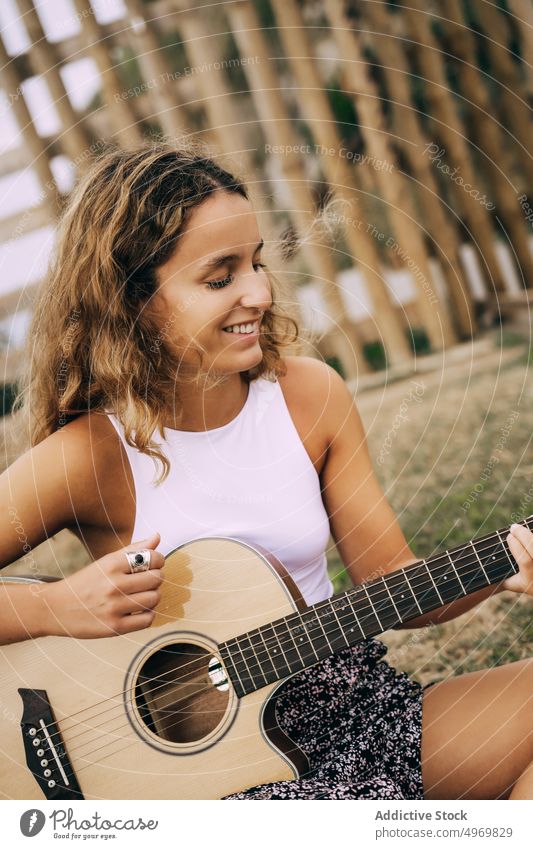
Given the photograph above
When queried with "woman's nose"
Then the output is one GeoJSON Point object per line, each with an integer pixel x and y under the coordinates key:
{"type": "Point", "coordinates": [256, 291]}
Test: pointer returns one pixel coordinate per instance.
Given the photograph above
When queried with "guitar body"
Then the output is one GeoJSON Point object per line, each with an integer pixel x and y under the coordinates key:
{"type": "Point", "coordinates": [151, 715]}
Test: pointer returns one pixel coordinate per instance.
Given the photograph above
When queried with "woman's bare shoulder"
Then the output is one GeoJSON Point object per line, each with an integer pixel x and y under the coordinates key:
{"type": "Point", "coordinates": [310, 388]}
{"type": "Point", "coordinates": [95, 472]}
{"type": "Point", "coordinates": [306, 373]}
{"type": "Point", "coordinates": [72, 479]}
{"type": "Point", "coordinates": [89, 442]}
{"type": "Point", "coordinates": [313, 387]}
{"type": "Point", "coordinates": [95, 432]}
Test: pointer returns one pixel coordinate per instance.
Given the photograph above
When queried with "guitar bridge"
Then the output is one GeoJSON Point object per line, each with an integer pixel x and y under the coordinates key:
{"type": "Point", "coordinates": [46, 756]}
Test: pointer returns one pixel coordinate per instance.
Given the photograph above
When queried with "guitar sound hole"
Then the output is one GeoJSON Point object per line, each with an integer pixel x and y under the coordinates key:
{"type": "Point", "coordinates": [175, 695]}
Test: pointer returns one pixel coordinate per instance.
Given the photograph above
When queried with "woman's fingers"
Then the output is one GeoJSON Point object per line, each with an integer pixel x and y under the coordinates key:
{"type": "Point", "coordinates": [149, 544]}
{"type": "Point", "coordinates": [128, 624]}
{"type": "Point", "coordinates": [143, 581]}
{"type": "Point", "coordinates": [520, 542]}
{"type": "Point", "coordinates": [105, 597]}
{"type": "Point", "coordinates": [140, 602]}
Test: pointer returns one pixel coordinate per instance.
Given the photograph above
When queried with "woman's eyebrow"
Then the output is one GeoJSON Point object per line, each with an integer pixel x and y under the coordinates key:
{"type": "Point", "coordinates": [221, 259]}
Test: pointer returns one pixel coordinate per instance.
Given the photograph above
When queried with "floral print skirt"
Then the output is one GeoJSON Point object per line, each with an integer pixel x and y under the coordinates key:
{"type": "Point", "coordinates": [359, 722]}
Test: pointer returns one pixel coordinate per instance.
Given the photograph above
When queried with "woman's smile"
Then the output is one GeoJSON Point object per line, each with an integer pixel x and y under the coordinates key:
{"type": "Point", "coordinates": [250, 330]}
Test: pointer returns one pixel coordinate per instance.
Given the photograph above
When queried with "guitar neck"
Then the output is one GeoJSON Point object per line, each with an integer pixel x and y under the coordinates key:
{"type": "Point", "coordinates": [288, 645]}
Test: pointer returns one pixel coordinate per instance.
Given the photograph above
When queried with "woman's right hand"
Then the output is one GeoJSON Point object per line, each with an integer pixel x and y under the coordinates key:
{"type": "Point", "coordinates": [104, 598]}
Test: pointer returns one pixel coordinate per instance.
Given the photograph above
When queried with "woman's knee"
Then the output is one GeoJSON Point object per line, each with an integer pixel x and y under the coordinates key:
{"type": "Point", "coordinates": [523, 682]}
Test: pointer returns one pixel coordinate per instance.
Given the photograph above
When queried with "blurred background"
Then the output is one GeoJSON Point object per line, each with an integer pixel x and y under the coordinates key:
{"type": "Point", "coordinates": [387, 148]}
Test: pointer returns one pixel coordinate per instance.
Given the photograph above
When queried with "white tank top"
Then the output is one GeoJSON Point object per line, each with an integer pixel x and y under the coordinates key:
{"type": "Point", "coordinates": [250, 479]}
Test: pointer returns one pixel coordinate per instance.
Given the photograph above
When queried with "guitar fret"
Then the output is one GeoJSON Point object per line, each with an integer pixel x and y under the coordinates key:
{"type": "Point", "coordinates": [330, 623]}
{"type": "Point", "coordinates": [341, 631]}
{"type": "Point", "coordinates": [433, 582]}
{"type": "Point", "coordinates": [456, 572]}
{"type": "Point", "coordinates": [404, 600]}
{"type": "Point", "coordinates": [317, 636]}
{"type": "Point", "coordinates": [291, 632]}
{"type": "Point", "coordinates": [277, 655]}
{"type": "Point", "coordinates": [496, 562]}
{"type": "Point", "coordinates": [514, 565]}
{"type": "Point", "coordinates": [350, 602]}
{"type": "Point", "coordinates": [225, 656]}
{"type": "Point", "coordinates": [301, 637]}
{"type": "Point", "coordinates": [250, 648]}
{"type": "Point", "coordinates": [373, 608]}
{"type": "Point", "coordinates": [413, 592]}
{"type": "Point", "coordinates": [480, 563]}
{"type": "Point", "coordinates": [234, 664]}
{"type": "Point", "coordinates": [241, 649]}
{"type": "Point", "coordinates": [306, 632]}
{"type": "Point", "coordinates": [427, 591]}
{"type": "Point", "coordinates": [324, 632]}
{"type": "Point", "coordinates": [470, 576]}
{"type": "Point", "coordinates": [349, 624]}
{"type": "Point", "coordinates": [288, 647]}
{"type": "Point", "coordinates": [447, 581]}
{"type": "Point", "coordinates": [391, 598]}
{"type": "Point", "coordinates": [272, 674]}
{"type": "Point", "coordinates": [295, 642]}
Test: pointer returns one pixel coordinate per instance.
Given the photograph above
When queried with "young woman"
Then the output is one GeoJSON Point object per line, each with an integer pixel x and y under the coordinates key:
{"type": "Point", "coordinates": [159, 337]}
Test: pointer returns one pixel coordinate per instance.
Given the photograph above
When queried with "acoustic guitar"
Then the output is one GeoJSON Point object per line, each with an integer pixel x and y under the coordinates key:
{"type": "Point", "coordinates": [184, 709]}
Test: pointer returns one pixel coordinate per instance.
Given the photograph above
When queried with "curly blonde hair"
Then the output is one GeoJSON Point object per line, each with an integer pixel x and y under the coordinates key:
{"type": "Point", "coordinates": [89, 341]}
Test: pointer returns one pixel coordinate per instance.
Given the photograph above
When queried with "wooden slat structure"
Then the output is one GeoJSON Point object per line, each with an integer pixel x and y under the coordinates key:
{"type": "Point", "coordinates": [326, 108]}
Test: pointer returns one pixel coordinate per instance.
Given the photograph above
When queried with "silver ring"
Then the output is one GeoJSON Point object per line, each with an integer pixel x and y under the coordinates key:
{"type": "Point", "coordinates": [138, 561]}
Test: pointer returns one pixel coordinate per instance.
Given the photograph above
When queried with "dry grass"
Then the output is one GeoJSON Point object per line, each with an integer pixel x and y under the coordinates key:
{"type": "Point", "coordinates": [453, 448]}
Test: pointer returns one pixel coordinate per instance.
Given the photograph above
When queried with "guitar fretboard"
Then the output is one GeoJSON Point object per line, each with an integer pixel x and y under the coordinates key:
{"type": "Point", "coordinates": [288, 645]}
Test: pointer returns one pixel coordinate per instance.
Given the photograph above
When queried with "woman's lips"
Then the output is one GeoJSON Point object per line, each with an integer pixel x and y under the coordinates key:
{"type": "Point", "coordinates": [238, 335]}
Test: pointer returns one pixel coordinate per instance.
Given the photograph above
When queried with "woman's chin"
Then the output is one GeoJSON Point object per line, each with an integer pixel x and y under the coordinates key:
{"type": "Point", "coordinates": [239, 360]}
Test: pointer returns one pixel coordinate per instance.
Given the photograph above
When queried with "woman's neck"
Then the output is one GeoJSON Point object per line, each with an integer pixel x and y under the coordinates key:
{"type": "Point", "coordinates": [206, 408]}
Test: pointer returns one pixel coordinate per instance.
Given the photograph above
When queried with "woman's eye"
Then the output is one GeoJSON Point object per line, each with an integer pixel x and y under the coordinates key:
{"type": "Point", "coordinates": [219, 284]}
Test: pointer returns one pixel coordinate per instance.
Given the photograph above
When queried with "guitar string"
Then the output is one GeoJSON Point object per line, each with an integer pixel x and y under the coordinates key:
{"type": "Point", "coordinates": [188, 713]}
{"type": "Point", "coordinates": [137, 740]}
{"type": "Point", "coordinates": [307, 630]}
{"type": "Point", "coordinates": [318, 626]}
{"type": "Point", "coordinates": [134, 740]}
{"type": "Point", "coordinates": [202, 692]}
{"type": "Point", "coordinates": [310, 715]}
{"type": "Point", "coordinates": [180, 715]}
{"type": "Point", "coordinates": [323, 606]}
{"type": "Point", "coordinates": [258, 661]}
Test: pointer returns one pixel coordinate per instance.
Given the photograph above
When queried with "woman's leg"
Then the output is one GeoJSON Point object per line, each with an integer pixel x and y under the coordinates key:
{"type": "Point", "coordinates": [523, 788]}
{"type": "Point", "coordinates": [477, 734]}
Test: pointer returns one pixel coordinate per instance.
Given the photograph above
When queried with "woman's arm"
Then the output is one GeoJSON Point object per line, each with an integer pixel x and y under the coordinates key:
{"type": "Point", "coordinates": [365, 529]}
{"type": "Point", "coordinates": [97, 601]}
{"type": "Point", "coordinates": [53, 486]}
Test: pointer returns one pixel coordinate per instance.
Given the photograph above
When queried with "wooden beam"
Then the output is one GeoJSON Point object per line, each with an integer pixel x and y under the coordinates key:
{"type": "Point", "coordinates": [44, 60]}
{"type": "Point", "coordinates": [11, 364]}
{"type": "Point", "coordinates": [33, 218]}
{"type": "Point", "coordinates": [20, 299]}
{"type": "Point", "coordinates": [39, 152]}
{"type": "Point", "coordinates": [14, 160]}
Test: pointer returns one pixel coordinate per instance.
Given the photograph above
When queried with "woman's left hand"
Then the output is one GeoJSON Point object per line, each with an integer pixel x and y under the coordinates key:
{"type": "Point", "coordinates": [520, 542]}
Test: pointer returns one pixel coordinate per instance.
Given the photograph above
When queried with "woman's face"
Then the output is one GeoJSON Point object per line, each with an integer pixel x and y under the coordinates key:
{"type": "Point", "coordinates": [213, 281]}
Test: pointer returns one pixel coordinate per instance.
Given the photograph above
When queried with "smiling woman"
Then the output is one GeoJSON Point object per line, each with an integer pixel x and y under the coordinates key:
{"type": "Point", "coordinates": [218, 303]}
{"type": "Point", "coordinates": [159, 336]}
{"type": "Point", "coordinates": [149, 305]}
